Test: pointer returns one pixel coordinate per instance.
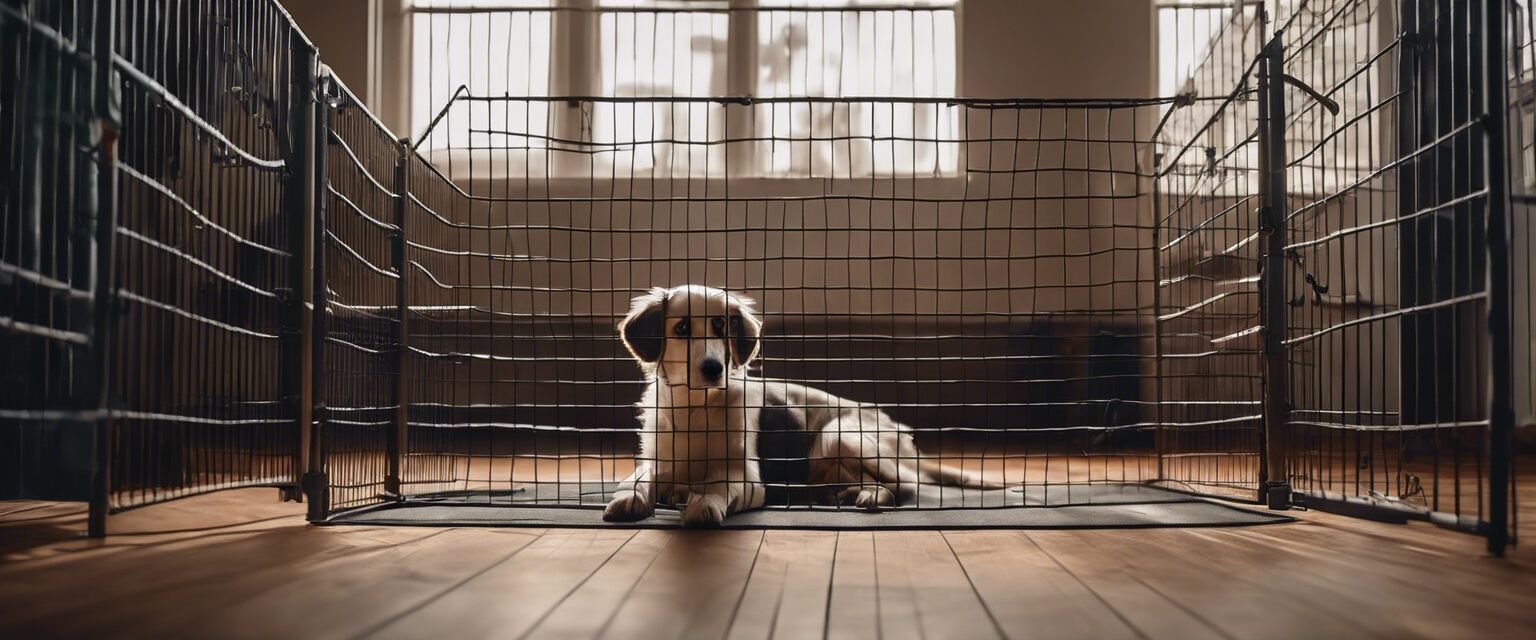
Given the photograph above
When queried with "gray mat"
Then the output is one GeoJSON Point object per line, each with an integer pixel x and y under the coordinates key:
{"type": "Point", "coordinates": [1057, 507]}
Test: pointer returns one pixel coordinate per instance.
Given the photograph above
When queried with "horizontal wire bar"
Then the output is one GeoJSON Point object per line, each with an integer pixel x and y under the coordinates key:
{"type": "Point", "coordinates": [17, 326]}
{"type": "Point", "coordinates": [700, 7]}
{"type": "Point", "coordinates": [359, 210]}
{"type": "Point", "coordinates": [1402, 218]}
{"type": "Point", "coordinates": [1395, 427]}
{"type": "Point", "coordinates": [41, 280]}
{"type": "Point", "coordinates": [146, 240]}
{"type": "Point", "coordinates": [336, 240]}
{"type": "Point", "coordinates": [975, 103]}
{"type": "Point", "coordinates": [175, 104]}
{"type": "Point", "coordinates": [202, 220]}
{"type": "Point", "coordinates": [801, 199]}
{"type": "Point", "coordinates": [358, 163]}
{"type": "Point", "coordinates": [125, 294]}
{"type": "Point", "coordinates": [1449, 302]}
{"type": "Point", "coordinates": [811, 139]}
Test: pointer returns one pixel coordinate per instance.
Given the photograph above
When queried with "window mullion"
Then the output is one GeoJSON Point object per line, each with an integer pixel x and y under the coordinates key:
{"type": "Point", "coordinates": [741, 80]}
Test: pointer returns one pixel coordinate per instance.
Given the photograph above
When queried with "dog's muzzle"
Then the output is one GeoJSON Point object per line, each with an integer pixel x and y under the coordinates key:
{"type": "Point", "coordinates": [711, 374]}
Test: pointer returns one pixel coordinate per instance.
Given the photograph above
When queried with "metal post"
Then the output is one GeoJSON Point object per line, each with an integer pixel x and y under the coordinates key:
{"type": "Point", "coordinates": [104, 291]}
{"type": "Point", "coordinates": [1275, 487]}
{"type": "Point", "coordinates": [398, 435]}
{"type": "Point", "coordinates": [1157, 312]}
{"type": "Point", "coordinates": [299, 200]}
{"type": "Point", "coordinates": [315, 484]}
{"type": "Point", "coordinates": [1501, 412]}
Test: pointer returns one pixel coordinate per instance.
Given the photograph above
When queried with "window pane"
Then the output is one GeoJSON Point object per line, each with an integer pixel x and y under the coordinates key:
{"type": "Point", "coordinates": [493, 53]}
{"type": "Point", "coordinates": [661, 54]}
{"type": "Point", "coordinates": [849, 53]}
{"type": "Point", "coordinates": [1185, 35]}
{"type": "Point", "coordinates": [664, 54]}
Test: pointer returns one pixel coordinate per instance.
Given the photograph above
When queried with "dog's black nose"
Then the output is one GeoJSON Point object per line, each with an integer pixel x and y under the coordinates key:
{"type": "Point", "coordinates": [711, 369]}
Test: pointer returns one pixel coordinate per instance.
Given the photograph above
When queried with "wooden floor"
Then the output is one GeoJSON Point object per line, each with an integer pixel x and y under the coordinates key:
{"type": "Point", "coordinates": [240, 564]}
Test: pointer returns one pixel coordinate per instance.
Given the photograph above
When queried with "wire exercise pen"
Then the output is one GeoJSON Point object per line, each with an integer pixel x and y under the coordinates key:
{"type": "Point", "coordinates": [1062, 295]}
{"type": "Point", "coordinates": [148, 318]}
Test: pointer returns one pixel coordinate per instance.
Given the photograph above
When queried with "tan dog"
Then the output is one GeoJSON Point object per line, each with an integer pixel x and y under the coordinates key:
{"type": "Point", "coordinates": [704, 423]}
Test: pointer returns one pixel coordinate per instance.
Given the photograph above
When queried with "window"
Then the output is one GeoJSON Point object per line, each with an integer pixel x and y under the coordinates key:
{"type": "Point", "coordinates": [520, 52]}
{"type": "Point", "coordinates": [504, 52]}
{"type": "Point", "coordinates": [1187, 29]}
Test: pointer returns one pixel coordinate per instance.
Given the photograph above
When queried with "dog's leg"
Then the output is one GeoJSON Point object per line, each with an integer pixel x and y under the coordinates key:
{"type": "Point", "coordinates": [632, 500]}
{"type": "Point", "coordinates": [724, 494]}
{"type": "Point", "coordinates": [864, 469]}
{"type": "Point", "coordinates": [869, 495]}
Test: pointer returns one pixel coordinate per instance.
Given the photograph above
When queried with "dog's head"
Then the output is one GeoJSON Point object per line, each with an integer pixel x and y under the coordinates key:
{"type": "Point", "coordinates": [692, 335]}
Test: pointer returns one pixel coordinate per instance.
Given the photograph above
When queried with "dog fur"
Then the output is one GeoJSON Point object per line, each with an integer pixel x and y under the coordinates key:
{"type": "Point", "coordinates": [717, 444]}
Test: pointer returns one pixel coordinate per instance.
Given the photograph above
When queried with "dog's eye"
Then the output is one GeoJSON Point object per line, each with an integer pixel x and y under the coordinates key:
{"type": "Point", "coordinates": [681, 330]}
{"type": "Point", "coordinates": [718, 324]}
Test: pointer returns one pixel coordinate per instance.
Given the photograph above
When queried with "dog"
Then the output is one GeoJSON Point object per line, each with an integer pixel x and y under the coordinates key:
{"type": "Point", "coordinates": [716, 440]}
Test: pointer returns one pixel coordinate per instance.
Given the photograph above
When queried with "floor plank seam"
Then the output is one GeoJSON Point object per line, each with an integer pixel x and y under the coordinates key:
{"type": "Point", "coordinates": [826, 615]}
{"type": "Point", "coordinates": [996, 625]}
{"type": "Point", "coordinates": [443, 592]}
{"type": "Point", "coordinates": [577, 587]}
{"type": "Point", "coordinates": [1180, 606]}
{"type": "Point", "coordinates": [1121, 616]}
{"type": "Point", "coordinates": [631, 590]}
{"type": "Point", "coordinates": [736, 610]}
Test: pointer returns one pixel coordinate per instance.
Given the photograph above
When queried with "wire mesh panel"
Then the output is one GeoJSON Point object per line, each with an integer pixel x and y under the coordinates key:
{"type": "Point", "coordinates": [47, 208]}
{"type": "Point", "coordinates": [167, 256]}
{"type": "Point", "coordinates": [1389, 315]}
{"type": "Point", "coordinates": [205, 251]}
{"type": "Point", "coordinates": [1004, 317]}
{"type": "Point", "coordinates": [1209, 350]}
{"type": "Point", "coordinates": [361, 320]}
{"type": "Point", "coordinates": [1522, 155]}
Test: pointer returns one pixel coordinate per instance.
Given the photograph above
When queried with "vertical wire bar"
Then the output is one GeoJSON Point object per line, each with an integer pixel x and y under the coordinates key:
{"type": "Point", "coordinates": [104, 295]}
{"type": "Point", "coordinates": [395, 447]}
{"type": "Point", "coordinates": [1272, 285]}
{"type": "Point", "coordinates": [299, 193]}
{"type": "Point", "coordinates": [1501, 413]}
{"type": "Point", "coordinates": [315, 483]}
{"type": "Point", "coordinates": [1161, 436]}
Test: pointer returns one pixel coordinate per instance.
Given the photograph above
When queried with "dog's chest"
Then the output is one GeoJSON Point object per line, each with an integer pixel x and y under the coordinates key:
{"type": "Point", "coordinates": [691, 444]}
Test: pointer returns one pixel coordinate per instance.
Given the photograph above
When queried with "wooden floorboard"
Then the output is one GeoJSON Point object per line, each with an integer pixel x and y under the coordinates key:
{"type": "Point", "coordinates": [1028, 592]}
{"type": "Point", "coordinates": [242, 565]}
{"type": "Point", "coordinates": [512, 595]}
{"type": "Point", "coordinates": [787, 593]}
{"type": "Point", "coordinates": [588, 609]}
{"type": "Point", "coordinates": [691, 589]}
{"type": "Point", "coordinates": [853, 604]}
{"type": "Point", "coordinates": [1111, 577]}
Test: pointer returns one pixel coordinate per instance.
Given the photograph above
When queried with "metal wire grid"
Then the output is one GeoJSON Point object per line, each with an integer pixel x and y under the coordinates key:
{"type": "Point", "coordinates": [1209, 351]}
{"type": "Point", "coordinates": [182, 292]}
{"type": "Point", "coordinates": [204, 251]}
{"type": "Point", "coordinates": [360, 275]}
{"type": "Point", "coordinates": [1522, 146]}
{"type": "Point", "coordinates": [46, 102]}
{"type": "Point", "coordinates": [899, 292]}
{"type": "Point", "coordinates": [443, 446]}
{"type": "Point", "coordinates": [1384, 259]}
{"type": "Point", "coordinates": [1388, 286]}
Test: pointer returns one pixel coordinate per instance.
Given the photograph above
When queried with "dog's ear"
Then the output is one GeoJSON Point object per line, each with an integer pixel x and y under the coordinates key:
{"type": "Point", "coordinates": [746, 331]}
{"type": "Point", "coordinates": [642, 330]}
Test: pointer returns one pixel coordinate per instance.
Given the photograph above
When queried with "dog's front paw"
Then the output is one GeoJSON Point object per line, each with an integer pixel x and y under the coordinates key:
{"type": "Point", "coordinates": [707, 510]}
{"type": "Point", "coordinates": [628, 506]}
{"type": "Point", "coordinates": [869, 498]}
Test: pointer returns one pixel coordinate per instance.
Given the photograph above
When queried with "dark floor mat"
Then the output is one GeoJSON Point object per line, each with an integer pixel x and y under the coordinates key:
{"type": "Point", "coordinates": [1056, 507]}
